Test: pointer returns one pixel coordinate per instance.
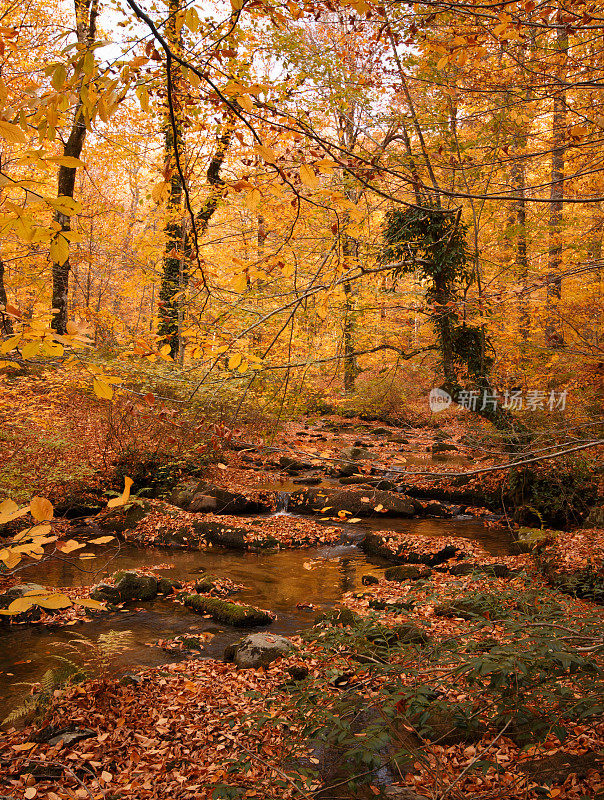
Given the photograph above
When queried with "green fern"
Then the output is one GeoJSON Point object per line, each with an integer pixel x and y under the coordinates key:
{"type": "Point", "coordinates": [86, 658]}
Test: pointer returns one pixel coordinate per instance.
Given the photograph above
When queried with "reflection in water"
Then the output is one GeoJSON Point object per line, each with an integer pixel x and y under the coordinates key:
{"type": "Point", "coordinates": [275, 581]}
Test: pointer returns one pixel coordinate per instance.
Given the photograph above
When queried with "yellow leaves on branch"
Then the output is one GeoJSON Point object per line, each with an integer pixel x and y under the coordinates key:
{"type": "Point", "coordinates": [267, 153]}
{"type": "Point", "coordinates": [124, 497]}
{"type": "Point", "coordinates": [12, 133]}
{"type": "Point", "coordinates": [309, 177]}
{"type": "Point", "coordinates": [64, 204]}
{"type": "Point", "coordinates": [160, 192]}
{"type": "Point", "coordinates": [253, 199]}
{"type": "Point", "coordinates": [66, 161]}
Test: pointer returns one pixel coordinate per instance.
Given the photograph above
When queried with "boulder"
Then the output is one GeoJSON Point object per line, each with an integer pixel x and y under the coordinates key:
{"type": "Point", "coordinates": [529, 539]}
{"type": "Point", "coordinates": [359, 502]}
{"type": "Point", "coordinates": [436, 509]}
{"type": "Point", "coordinates": [339, 616]}
{"type": "Point", "coordinates": [123, 518]}
{"type": "Point", "coordinates": [347, 470]}
{"type": "Point", "coordinates": [492, 570]}
{"type": "Point", "coordinates": [206, 584]}
{"type": "Point", "coordinates": [407, 572]}
{"type": "Point", "coordinates": [202, 503]}
{"type": "Point", "coordinates": [369, 580]}
{"type": "Point", "coordinates": [106, 593]}
{"type": "Point", "coordinates": [357, 454]}
{"type": "Point", "coordinates": [287, 462]}
{"type": "Point", "coordinates": [71, 734]}
{"type": "Point", "coordinates": [392, 607]}
{"type": "Point", "coordinates": [133, 586]}
{"type": "Point", "coordinates": [15, 592]}
{"type": "Point", "coordinates": [168, 586]}
{"type": "Point", "coordinates": [375, 543]}
{"type": "Point", "coordinates": [125, 587]}
{"type": "Point", "coordinates": [442, 447]}
{"type": "Point", "coordinates": [241, 616]}
{"type": "Point", "coordinates": [595, 517]}
{"type": "Point", "coordinates": [205, 497]}
{"type": "Point", "coordinates": [258, 650]}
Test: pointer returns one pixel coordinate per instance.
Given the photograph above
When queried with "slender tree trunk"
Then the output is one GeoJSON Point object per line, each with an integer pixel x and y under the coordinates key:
{"type": "Point", "coordinates": [175, 274]}
{"type": "Point", "coordinates": [86, 12]}
{"type": "Point", "coordinates": [6, 324]}
{"type": "Point", "coordinates": [522, 264]}
{"type": "Point", "coordinates": [553, 331]}
{"type": "Point", "coordinates": [351, 370]}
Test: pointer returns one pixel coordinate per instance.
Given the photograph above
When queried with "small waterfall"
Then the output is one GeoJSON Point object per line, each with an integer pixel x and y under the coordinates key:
{"type": "Point", "coordinates": [281, 503]}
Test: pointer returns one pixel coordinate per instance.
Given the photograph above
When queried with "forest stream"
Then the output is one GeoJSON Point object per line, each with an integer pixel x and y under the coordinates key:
{"type": "Point", "coordinates": [295, 584]}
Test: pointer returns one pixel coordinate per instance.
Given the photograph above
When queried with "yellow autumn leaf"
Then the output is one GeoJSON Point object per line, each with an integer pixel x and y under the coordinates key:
{"type": "Point", "coordinates": [20, 605]}
{"type": "Point", "coordinates": [12, 133]}
{"type": "Point", "coordinates": [101, 540]}
{"type": "Point", "coordinates": [59, 249]}
{"type": "Point", "coordinates": [54, 601]}
{"type": "Point", "coordinates": [69, 546]}
{"type": "Point", "coordinates": [253, 198]}
{"type": "Point", "coordinates": [309, 177]}
{"type": "Point", "coordinates": [102, 389]}
{"type": "Point", "coordinates": [88, 602]}
{"type": "Point", "coordinates": [235, 360]}
{"type": "Point", "coordinates": [10, 558]}
{"type": "Point", "coordinates": [65, 205]}
{"type": "Point", "coordinates": [245, 101]}
{"type": "Point", "coordinates": [67, 161]}
{"type": "Point", "coordinates": [124, 497]}
{"type": "Point", "coordinates": [41, 509]}
{"type": "Point", "coordinates": [9, 344]}
{"type": "Point", "coordinates": [267, 153]}
{"type": "Point", "coordinates": [160, 191]}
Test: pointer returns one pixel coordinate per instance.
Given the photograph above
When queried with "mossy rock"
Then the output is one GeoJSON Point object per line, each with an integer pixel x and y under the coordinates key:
{"type": "Point", "coordinates": [123, 518]}
{"type": "Point", "coordinates": [529, 539]}
{"type": "Point", "coordinates": [470, 608]}
{"type": "Point", "coordinates": [228, 613]}
{"type": "Point", "coordinates": [394, 607]}
{"type": "Point", "coordinates": [206, 584]}
{"type": "Point", "coordinates": [407, 572]}
{"type": "Point", "coordinates": [405, 633]}
{"type": "Point", "coordinates": [448, 724]}
{"type": "Point", "coordinates": [133, 586]}
{"type": "Point", "coordinates": [168, 586]}
{"type": "Point", "coordinates": [409, 633]}
{"type": "Point", "coordinates": [339, 616]}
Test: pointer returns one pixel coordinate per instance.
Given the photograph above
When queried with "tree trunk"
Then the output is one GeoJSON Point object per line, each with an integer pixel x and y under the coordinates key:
{"type": "Point", "coordinates": [175, 275]}
{"type": "Point", "coordinates": [6, 324]}
{"type": "Point", "coordinates": [553, 331]}
{"type": "Point", "coordinates": [522, 264]}
{"type": "Point", "coordinates": [86, 12]}
{"type": "Point", "coordinates": [351, 370]}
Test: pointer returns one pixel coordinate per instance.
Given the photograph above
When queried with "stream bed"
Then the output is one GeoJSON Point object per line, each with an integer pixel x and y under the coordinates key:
{"type": "Point", "coordinates": [277, 581]}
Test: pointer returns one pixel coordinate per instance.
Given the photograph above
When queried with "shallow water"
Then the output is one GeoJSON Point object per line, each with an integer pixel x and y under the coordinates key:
{"type": "Point", "coordinates": [275, 581]}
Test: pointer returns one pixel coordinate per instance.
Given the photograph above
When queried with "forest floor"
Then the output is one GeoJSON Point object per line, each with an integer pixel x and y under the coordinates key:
{"type": "Point", "coordinates": [468, 675]}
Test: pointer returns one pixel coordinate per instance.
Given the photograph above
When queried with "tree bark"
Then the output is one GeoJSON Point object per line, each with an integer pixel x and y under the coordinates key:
{"type": "Point", "coordinates": [86, 12]}
{"type": "Point", "coordinates": [6, 324]}
{"type": "Point", "coordinates": [175, 274]}
{"type": "Point", "coordinates": [553, 332]}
